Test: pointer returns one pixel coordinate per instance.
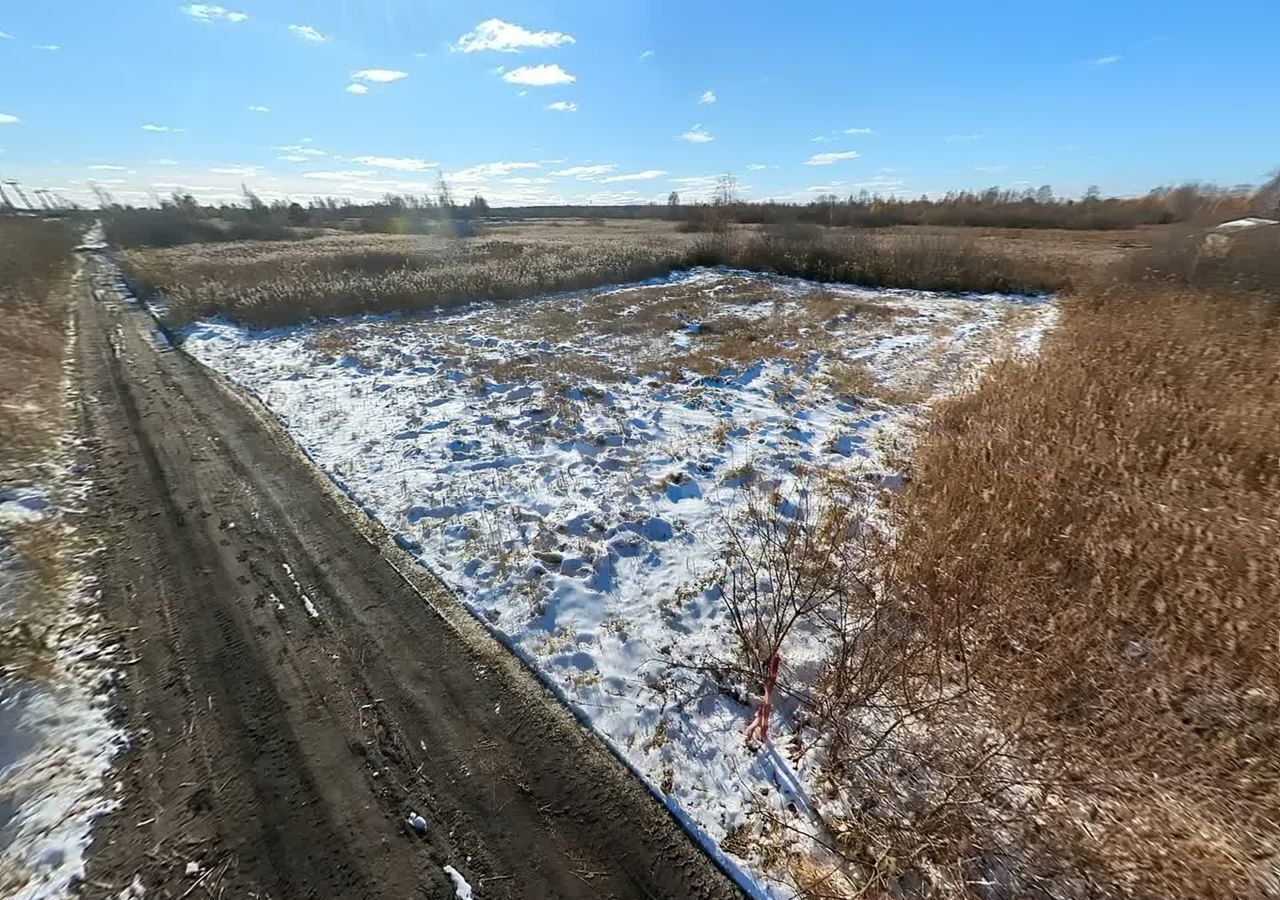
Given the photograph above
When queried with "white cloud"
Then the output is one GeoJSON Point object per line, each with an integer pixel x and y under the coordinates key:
{"type": "Point", "coordinates": [241, 171]}
{"type": "Point", "coordinates": [307, 33]}
{"type": "Point", "coordinates": [5, 36]}
{"type": "Point", "coordinates": [495, 34]}
{"type": "Point", "coordinates": [490, 170]}
{"type": "Point", "coordinates": [957, 138]}
{"type": "Point", "coordinates": [260, 109]}
{"type": "Point", "coordinates": [1105, 61]}
{"type": "Point", "coordinates": [528, 181]}
{"type": "Point", "coordinates": [104, 167]}
{"type": "Point", "coordinates": [697, 180]}
{"type": "Point", "coordinates": [539, 76]}
{"type": "Point", "coordinates": [208, 13]}
{"type": "Point", "coordinates": [1000, 168]}
{"type": "Point", "coordinates": [859, 131]}
{"type": "Point", "coordinates": [707, 97]}
{"type": "Point", "coordinates": [696, 187]}
{"type": "Point", "coordinates": [402, 164]}
{"type": "Point", "coordinates": [357, 89]}
{"type": "Point", "coordinates": [381, 76]}
{"type": "Point", "coordinates": [159, 129]}
{"type": "Point", "coordinates": [293, 157]}
{"type": "Point", "coordinates": [299, 149]}
{"type": "Point", "coordinates": [880, 183]}
{"type": "Point", "coordinates": [759, 167]}
{"type": "Point", "coordinates": [7, 119]}
{"type": "Point", "coordinates": [339, 176]}
{"type": "Point", "coordinates": [585, 173]}
{"type": "Point", "coordinates": [646, 175]}
{"type": "Point", "coordinates": [163, 162]}
{"type": "Point", "coordinates": [646, 54]}
{"type": "Point", "coordinates": [563, 106]}
{"type": "Point", "coordinates": [50, 47]}
{"type": "Point", "coordinates": [826, 159]}
{"type": "Point", "coordinates": [696, 135]}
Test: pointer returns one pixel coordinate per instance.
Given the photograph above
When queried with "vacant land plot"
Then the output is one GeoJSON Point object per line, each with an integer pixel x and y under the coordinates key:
{"type": "Point", "coordinates": [571, 463]}
{"type": "Point", "coordinates": [1024, 611]}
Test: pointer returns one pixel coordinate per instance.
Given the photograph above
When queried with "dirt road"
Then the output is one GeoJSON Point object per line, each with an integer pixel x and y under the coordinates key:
{"type": "Point", "coordinates": [295, 697]}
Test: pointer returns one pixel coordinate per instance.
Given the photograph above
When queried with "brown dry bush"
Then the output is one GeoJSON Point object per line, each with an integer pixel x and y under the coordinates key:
{"type": "Point", "coordinates": [1101, 524]}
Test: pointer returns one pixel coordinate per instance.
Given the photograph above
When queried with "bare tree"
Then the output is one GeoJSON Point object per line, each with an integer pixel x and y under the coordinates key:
{"type": "Point", "coordinates": [444, 196]}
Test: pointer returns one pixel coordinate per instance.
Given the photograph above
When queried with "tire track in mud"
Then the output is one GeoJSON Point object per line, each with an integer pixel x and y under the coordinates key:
{"type": "Point", "coordinates": [281, 752]}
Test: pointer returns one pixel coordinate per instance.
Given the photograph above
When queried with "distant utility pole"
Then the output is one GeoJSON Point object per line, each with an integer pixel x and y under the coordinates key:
{"type": "Point", "coordinates": [18, 190]}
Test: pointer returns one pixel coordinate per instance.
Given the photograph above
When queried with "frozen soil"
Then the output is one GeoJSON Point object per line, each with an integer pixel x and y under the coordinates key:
{"type": "Point", "coordinates": [568, 465]}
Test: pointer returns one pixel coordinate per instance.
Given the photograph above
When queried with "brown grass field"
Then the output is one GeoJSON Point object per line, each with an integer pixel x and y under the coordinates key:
{"type": "Point", "coordinates": [1087, 541]}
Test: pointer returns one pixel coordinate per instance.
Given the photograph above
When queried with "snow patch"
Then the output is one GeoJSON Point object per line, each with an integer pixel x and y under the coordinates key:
{"type": "Point", "coordinates": [581, 517]}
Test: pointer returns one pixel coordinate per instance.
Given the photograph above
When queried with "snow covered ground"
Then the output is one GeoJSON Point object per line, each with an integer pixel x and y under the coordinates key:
{"type": "Point", "coordinates": [569, 464]}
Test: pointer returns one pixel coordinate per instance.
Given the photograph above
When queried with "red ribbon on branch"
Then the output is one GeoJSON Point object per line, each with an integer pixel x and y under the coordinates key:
{"type": "Point", "coordinates": [759, 725]}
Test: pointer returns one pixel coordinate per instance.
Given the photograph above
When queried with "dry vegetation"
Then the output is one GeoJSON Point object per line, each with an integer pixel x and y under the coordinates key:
{"type": "Point", "coordinates": [277, 283]}
{"type": "Point", "coordinates": [35, 261]}
{"type": "Point", "coordinates": [35, 266]}
{"type": "Point", "coordinates": [1061, 676]}
{"type": "Point", "coordinates": [280, 283]}
{"type": "Point", "coordinates": [1104, 520]}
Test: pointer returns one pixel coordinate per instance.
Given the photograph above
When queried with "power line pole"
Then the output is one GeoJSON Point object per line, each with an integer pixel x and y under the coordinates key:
{"type": "Point", "coordinates": [25, 200]}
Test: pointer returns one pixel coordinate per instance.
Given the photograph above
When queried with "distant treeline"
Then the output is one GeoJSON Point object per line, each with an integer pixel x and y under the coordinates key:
{"type": "Point", "coordinates": [180, 219]}
{"type": "Point", "coordinates": [996, 208]}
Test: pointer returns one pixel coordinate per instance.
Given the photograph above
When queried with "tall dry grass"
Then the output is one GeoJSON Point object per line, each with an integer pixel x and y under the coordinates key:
{"type": "Point", "coordinates": [899, 260]}
{"type": "Point", "coordinates": [1098, 529]}
{"type": "Point", "coordinates": [280, 283]}
{"type": "Point", "coordinates": [35, 260]}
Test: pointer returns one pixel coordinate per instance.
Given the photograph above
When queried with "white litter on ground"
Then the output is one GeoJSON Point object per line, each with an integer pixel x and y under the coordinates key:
{"type": "Point", "coordinates": [1246, 223]}
{"type": "Point", "coordinates": [306, 601]}
{"type": "Point", "coordinates": [461, 889]}
{"type": "Point", "coordinates": [545, 460]}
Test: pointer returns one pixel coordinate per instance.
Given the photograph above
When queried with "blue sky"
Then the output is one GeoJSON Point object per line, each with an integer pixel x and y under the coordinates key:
{"type": "Point", "coordinates": [606, 101]}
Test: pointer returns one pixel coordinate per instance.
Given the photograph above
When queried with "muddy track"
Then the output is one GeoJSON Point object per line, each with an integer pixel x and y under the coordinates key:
{"type": "Point", "coordinates": [294, 695]}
